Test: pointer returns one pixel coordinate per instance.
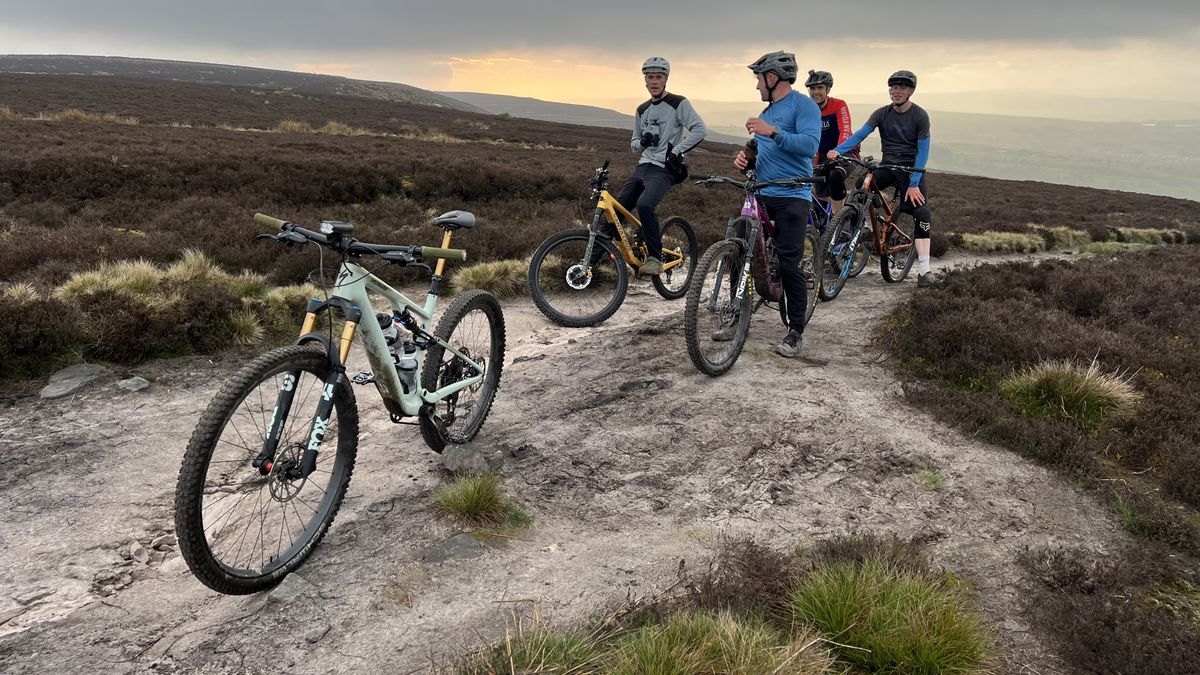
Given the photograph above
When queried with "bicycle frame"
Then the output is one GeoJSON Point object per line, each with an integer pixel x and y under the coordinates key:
{"type": "Point", "coordinates": [874, 199]}
{"type": "Point", "coordinates": [350, 295]}
{"type": "Point", "coordinates": [607, 207]}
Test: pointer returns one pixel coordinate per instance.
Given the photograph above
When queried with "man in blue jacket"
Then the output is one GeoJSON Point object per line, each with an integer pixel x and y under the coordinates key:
{"type": "Point", "coordinates": [788, 133]}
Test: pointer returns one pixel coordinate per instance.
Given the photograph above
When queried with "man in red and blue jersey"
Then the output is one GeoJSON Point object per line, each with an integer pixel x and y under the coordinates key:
{"type": "Point", "coordinates": [835, 128]}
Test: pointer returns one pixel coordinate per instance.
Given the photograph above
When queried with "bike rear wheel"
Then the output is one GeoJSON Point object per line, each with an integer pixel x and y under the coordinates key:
{"type": "Point", "coordinates": [895, 265]}
{"type": "Point", "coordinates": [242, 529]}
{"type": "Point", "coordinates": [712, 314]}
{"type": "Point", "coordinates": [678, 243]}
{"type": "Point", "coordinates": [474, 325]}
{"type": "Point", "coordinates": [570, 292]}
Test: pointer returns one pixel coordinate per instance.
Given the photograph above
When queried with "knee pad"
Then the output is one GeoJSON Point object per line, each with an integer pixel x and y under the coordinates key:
{"type": "Point", "coordinates": [923, 228]}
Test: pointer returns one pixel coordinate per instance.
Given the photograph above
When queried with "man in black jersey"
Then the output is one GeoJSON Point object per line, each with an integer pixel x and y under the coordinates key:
{"type": "Point", "coordinates": [904, 134]}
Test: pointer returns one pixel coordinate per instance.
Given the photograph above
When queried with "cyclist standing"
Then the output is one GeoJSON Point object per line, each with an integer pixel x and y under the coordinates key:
{"type": "Point", "coordinates": [788, 132]}
{"type": "Point", "coordinates": [658, 134]}
{"type": "Point", "coordinates": [904, 134]}
{"type": "Point", "coordinates": [835, 128]}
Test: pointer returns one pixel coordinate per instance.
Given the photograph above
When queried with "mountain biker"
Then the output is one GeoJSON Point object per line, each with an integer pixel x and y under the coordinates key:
{"type": "Point", "coordinates": [835, 128]}
{"type": "Point", "coordinates": [658, 134]}
{"type": "Point", "coordinates": [788, 132]}
{"type": "Point", "coordinates": [904, 134]}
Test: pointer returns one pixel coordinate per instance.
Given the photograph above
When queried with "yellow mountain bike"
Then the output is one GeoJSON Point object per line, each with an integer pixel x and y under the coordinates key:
{"type": "Point", "coordinates": [579, 277]}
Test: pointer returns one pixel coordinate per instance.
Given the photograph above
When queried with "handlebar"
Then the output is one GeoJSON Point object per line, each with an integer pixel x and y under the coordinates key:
{"type": "Point", "coordinates": [294, 234]}
{"type": "Point", "coordinates": [869, 164]}
{"type": "Point", "coordinates": [755, 185]}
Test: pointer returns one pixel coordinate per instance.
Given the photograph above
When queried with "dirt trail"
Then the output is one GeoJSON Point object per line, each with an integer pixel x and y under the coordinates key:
{"type": "Point", "coordinates": [630, 460]}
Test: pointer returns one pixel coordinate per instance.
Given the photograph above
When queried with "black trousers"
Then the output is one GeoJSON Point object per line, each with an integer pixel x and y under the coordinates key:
{"type": "Point", "coordinates": [790, 215]}
{"type": "Point", "coordinates": [640, 195]}
{"type": "Point", "coordinates": [885, 178]}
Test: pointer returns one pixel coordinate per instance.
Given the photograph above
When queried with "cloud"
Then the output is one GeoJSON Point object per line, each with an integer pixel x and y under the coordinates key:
{"type": "Point", "coordinates": [700, 25]}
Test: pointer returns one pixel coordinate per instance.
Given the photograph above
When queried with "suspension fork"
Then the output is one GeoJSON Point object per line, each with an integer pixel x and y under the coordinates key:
{"type": "Point", "coordinates": [593, 231]}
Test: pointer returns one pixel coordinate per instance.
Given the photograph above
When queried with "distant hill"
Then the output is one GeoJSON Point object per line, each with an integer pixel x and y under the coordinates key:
{"type": "Point", "coordinates": [569, 113]}
{"type": "Point", "coordinates": [212, 73]}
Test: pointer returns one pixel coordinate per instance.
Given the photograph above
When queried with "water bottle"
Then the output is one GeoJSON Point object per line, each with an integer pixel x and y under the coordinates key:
{"type": "Point", "coordinates": [388, 325]}
{"type": "Point", "coordinates": [406, 366]}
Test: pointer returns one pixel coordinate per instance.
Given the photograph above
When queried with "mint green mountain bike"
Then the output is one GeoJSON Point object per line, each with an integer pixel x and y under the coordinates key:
{"type": "Point", "coordinates": [270, 460]}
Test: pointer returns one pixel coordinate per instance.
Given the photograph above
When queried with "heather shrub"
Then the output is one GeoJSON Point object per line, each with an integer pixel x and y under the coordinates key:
{"type": "Point", "coordinates": [39, 334]}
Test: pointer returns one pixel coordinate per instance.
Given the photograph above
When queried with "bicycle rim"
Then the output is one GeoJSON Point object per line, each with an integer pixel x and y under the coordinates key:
{"type": "Point", "coordinates": [570, 292]}
{"type": "Point", "coordinates": [678, 243]}
{"type": "Point", "coordinates": [474, 325]}
{"type": "Point", "coordinates": [712, 312]}
{"type": "Point", "coordinates": [895, 265]}
{"type": "Point", "coordinates": [242, 529]}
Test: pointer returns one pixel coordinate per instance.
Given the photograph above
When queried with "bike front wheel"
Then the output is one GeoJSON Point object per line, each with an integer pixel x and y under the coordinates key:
{"type": "Point", "coordinates": [896, 264]}
{"type": "Point", "coordinates": [573, 291]}
{"type": "Point", "coordinates": [837, 256]}
{"type": "Point", "coordinates": [474, 326]}
{"type": "Point", "coordinates": [813, 271]}
{"type": "Point", "coordinates": [678, 244]}
{"type": "Point", "coordinates": [241, 528]}
{"type": "Point", "coordinates": [715, 322]}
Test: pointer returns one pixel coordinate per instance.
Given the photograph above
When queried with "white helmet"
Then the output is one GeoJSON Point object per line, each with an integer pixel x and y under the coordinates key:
{"type": "Point", "coordinates": [656, 64]}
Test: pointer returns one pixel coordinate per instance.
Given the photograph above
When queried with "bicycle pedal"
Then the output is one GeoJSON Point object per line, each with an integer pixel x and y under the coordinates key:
{"type": "Point", "coordinates": [364, 377]}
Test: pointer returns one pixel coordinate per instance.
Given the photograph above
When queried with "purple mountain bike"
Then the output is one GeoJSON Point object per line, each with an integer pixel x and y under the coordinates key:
{"type": "Point", "coordinates": [732, 271]}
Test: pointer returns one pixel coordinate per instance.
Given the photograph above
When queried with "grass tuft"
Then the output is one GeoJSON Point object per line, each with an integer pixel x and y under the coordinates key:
{"type": "Point", "coordinates": [886, 619]}
{"type": "Point", "coordinates": [7, 113]}
{"type": "Point", "coordinates": [1003, 242]}
{"type": "Point", "coordinates": [477, 500]}
{"type": "Point", "coordinates": [1104, 248]}
{"type": "Point", "coordinates": [293, 127]}
{"type": "Point", "coordinates": [245, 328]}
{"type": "Point", "coordinates": [719, 642]}
{"type": "Point", "coordinates": [1065, 390]}
{"type": "Point", "coordinates": [501, 278]}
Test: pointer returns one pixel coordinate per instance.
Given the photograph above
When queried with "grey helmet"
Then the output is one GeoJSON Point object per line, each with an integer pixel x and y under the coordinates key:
{"type": "Point", "coordinates": [656, 64]}
{"type": "Point", "coordinates": [903, 77]}
{"type": "Point", "coordinates": [782, 64]}
{"type": "Point", "coordinates": [816, 77]}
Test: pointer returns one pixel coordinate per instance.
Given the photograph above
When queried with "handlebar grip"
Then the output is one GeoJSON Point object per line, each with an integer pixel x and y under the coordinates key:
{"type": "Point", "coordinates": [264, 219]}
{"type": "Point", "coordinates": [605, 165]}
{"type": "Point", "coordinates": [432, 252]}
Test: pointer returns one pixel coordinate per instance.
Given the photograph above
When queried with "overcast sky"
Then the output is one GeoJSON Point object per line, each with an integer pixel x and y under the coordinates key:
{"type": "Point", "coordinates": [569, 51]}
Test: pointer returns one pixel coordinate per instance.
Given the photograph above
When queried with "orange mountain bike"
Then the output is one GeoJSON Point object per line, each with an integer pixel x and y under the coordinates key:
{"type": "Point", "coordinates": [894, 232]}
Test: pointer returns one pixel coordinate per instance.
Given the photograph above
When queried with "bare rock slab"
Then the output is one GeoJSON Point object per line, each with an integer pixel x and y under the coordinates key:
{"type": "Point", "coordinates": [458, 547]}
{"type": "Point", "coordinates": [133, 384]}
{"type": "Point", "coordinates": [70, 380]}
{"type": "Point", "coordinates": [470, 459]}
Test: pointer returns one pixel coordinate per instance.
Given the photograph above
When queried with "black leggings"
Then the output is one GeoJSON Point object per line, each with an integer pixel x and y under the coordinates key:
{"type": "Point", "coordinates": [790, 215]}
{"type": "Point", "coordinates": [885, 178]}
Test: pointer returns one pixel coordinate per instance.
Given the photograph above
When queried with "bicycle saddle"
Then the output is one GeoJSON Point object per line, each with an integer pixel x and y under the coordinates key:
{"type": "Point", "coordinates": [454, 220]}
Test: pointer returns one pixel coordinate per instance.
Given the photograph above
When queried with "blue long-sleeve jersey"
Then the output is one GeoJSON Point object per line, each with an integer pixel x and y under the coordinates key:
{"type": "Point", "coordinates": [790, 153]}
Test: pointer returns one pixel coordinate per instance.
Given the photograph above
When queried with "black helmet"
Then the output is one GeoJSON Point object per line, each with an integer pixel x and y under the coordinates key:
{"type": "Point", "coordinates": [782, 64]}
{"type": "Point", "coordinates": [903, 77]}
{"type": "Point", "coordinates": [816, 77]}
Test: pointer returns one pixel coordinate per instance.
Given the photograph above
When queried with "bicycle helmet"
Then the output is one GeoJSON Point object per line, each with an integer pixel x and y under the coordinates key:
{"type": "Point", "coordinates": [816, 77]}
{"type": "Point", "coordinates": [782, 64]}
{"type": "Point", "coordinates": [656, 64]}
{"type": "Point", "coordinates": [903, 77]}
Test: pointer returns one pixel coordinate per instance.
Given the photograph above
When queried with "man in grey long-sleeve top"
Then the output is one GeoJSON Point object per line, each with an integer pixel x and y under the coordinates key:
{"type": "Point", "coordinates": [658, 133]}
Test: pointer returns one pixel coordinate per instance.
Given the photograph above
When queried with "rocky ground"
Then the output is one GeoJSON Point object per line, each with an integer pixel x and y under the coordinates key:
{"type": "Point", "coordinates": [631, 462]}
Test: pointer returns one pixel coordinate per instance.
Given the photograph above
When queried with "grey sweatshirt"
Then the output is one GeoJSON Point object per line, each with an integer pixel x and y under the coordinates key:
{"type": "Point", "coordinates": [668, 117]}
